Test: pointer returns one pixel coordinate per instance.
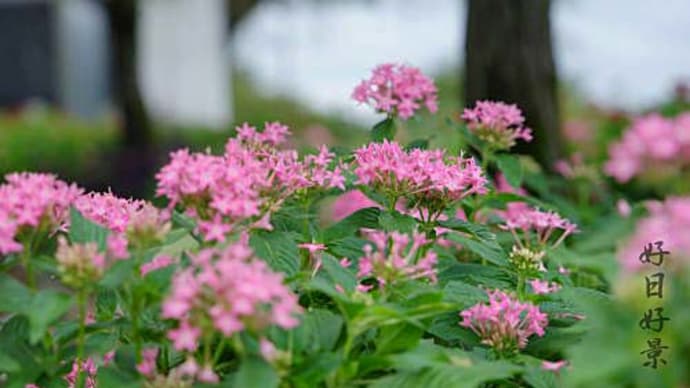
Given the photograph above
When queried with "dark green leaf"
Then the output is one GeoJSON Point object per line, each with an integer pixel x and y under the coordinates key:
{"type": "Point", "coordinates": [421, 144]}
{"type": "Point", "coordinates": [511, 168]}
{"type": "Point", "coordinates": [279, 249]}
{"type": "Point", "coordinates": [383, 130]}
{"type": "Point", "coordinates": [83, 231]}
{"type": "Point", "coordinates": [14, 296]}
{"type": "Point", "coordinates": [490, 252]}
{"type": "Point", "coordinates": [46, 307]}
{"type": "Point", "coordinates": [350, 225]}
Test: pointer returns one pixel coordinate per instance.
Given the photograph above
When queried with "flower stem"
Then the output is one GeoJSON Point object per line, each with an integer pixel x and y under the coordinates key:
{"type": "Point", "coordinates": [521, 286]}
{"type": "Point", "coordinates": [81, 339]}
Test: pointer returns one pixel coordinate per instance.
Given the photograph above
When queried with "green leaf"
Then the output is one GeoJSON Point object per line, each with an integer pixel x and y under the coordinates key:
{"type": "Point", "coordinates": [278, 249]}
{"type": "Point", "coordinates": [7, 363]}
{"type": "Point", "coordinates": [444, 376]}
{"type": "Point", "coordinates": [319, 331]}
{"type": "Point", "coordinates": [491, 252]}
{"type": "Point", "coordinates": [463, 294]}
{"type": "Point", "coordinates": [313, 370]}
{"type": "Point", "coordinates": [477, 274]}
{"type": "Point", "coordinates": [421, 144]}
{"type": "Point", "coordinates": [511, 167]}
{"type": "Point", "coordinates": [46, 307]}
{"type": "Point", "coordinates": [83, 231]}
{"type": "Point", "coordinates": [255, 372]}
{"type": "Point", "coordinates": [337, 274]}
{"type": "Point", "coordinates": [481, 232]}
{"type": "Point", "coordinates": [383, 130]}
{"type": "Point", "coordinates": [397, 338]}
{"type": "Point", "coordinates": [118, 273]}
{"type": "Point", "coordinates": [183, 221]}
{"type": "Point", "coordinates": [14, 296]}
{"type": "Point", "coordinates": [350, 225]}
{"type": "Point", "coordinates": [397, 222]}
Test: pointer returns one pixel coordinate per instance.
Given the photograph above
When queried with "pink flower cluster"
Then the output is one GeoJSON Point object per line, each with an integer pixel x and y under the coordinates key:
{"type": "Point", "coordinates": [32, 200]}
{"type": "Point", "coordinates": [653, 144]}
{"type": "Point", "coordinates": [542, 223]}
{"type": "Point", "coordinates": [428, 176]}
{"type": "Point", "coordinates": [248, 182]}
{"type": "Point", "coordinates": [87, 367]}
{"type": "Point", "coordinates": [669, 222]}
{"type": "Point", "coordinates": [542, 287]}
{"type": "Point", "coordinates": [230, 291]}
{"type": "Point", "coordinates": [505, 323]}
{"type": "Point", "coordinates": [155, 264]}
{"type": "Point", "coordinates": [497, 123]}
{"type": "Point", "coordinates": [79, 264]}
{"type": "Point", "coordinates": [123, 217]}
{"type": "Point", "coordinates": [397, 90]}
{"type": "Point", "coordinates": [392, 257]}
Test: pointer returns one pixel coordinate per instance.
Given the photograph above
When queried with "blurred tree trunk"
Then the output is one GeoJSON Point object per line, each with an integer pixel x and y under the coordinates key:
{"type": "Point", "coordinates": [133, 164]}
{"type": "Point", "coordinates": [509, 57]}
{"type": "Point", "coordinates": [238, 9]}
{"type": "Point", "coordinates": [122, 15]}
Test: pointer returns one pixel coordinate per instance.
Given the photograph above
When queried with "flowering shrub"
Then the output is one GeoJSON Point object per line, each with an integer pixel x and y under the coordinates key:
{"type": "Point", "coordinates": [653, 149]}
{"type": "Point", "coordinates": [427, 273]}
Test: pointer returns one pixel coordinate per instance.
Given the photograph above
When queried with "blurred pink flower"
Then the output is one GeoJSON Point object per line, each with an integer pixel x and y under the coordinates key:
{"type": "Point", "coordinates": [497, 123]}
{"type": "Point", "coordinates": [397, 90]}
{"type": "Point", "coordinates": [553, 366]}
{"type": "Point", "coordinates": [350, 202]}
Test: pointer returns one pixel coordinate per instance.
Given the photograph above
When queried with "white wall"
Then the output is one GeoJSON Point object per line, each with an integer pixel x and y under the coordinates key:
{"type": "Point", "coordinates": [184, 70]}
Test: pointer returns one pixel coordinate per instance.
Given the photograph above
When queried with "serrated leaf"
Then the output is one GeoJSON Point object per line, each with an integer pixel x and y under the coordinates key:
{"type": "Point", "coordinates": [480, 231]}
{"type": "Point", "coordinates": [490, 252]}
{"type": "Point", "coordinates": [463, 294]}
{"type": "Point", "coordinates": [319, 331]}
{"type": "Point", "coordinates": [14, 296]}
{"type": "Point", "coordinates": [278, 249]}
{"type": "Point", "coordinates": [46, 307]}
{"type": "Point", "coordinates": [383, 130]}
{"type": "Point", "coordinates": [83, 231]}
{"type": "Point", "coordinates": [511, 167]}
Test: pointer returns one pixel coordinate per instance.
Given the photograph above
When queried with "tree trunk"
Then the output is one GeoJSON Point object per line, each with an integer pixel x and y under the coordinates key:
{"type": "Point", "coordinates": [509, 57]}
{"type": "Point", "coordinates": [132, 165]}
{"type": "Point", "coordinates": [122, 15]}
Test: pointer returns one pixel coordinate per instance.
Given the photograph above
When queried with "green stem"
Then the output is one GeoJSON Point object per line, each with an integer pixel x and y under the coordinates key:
{"type": "Point", "coordinates": [134, 312]}
{"type": "Point", "coordinates": [219, 350]}
{"type": "Point", "coordinates": [521, 286]}
{"type": "Point", "coordinates": [26, 262]}
{"type": "Point", "coordinates": [81, 339]}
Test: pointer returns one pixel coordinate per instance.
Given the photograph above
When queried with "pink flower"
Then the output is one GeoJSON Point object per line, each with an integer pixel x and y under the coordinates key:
{"type": "Point", "coordinates": [505, 323]}
{"type": "Point", "coordinates": [553, 366]}
{"type": "Point", "coordinates": [497, 123]}
{"type": "Point", "coordinates": [312, 247]}
{"type": "Point", "coordinates": [538, 223]}
{"type": "Point", "coordinates": [147, 366]}
{"type": "Point", "coordinates": [623, 208]}
{"type": "Point", "coordinates": [267, 349]}
{"type": "Point", "coordinates": [247, 183]}
{"type": "Point", "coordinates": [349, 203]}
{"type": "Point", "coordinates": [541, 287]}
{"type": "Point", "coordinates": [79, 264]}
{"type": "Point", "coordinates": [652, 144]}
{"type": "Point", "coordinates": [232, 290]}
{"type": "Point", "coordinates": [668, 222]}
{"type": "Point", "coordinates": [429, 177]}
{"type": "Point", "coordinates": [207, 375]}
{"type": "Point", "coordinates": [185, 337]}
{"type": "Point", "coordinates": [397, 90]}
{"type": "Point", "coordinates": [32, 200]}
{"type": "Point", "coordinates": [88, 368]}
{"type": "Point", "coordinates": [391, 257]}
{"type": "Point", "coordinates": [157, 263]}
